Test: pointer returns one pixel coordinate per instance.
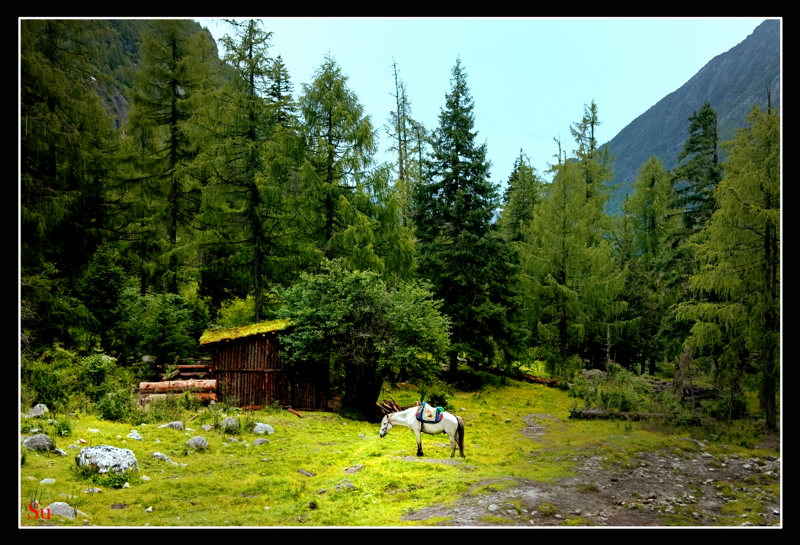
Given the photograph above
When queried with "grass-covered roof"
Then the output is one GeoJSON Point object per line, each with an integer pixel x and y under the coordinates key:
{"type": "Point", "coordinates": [217, 335]}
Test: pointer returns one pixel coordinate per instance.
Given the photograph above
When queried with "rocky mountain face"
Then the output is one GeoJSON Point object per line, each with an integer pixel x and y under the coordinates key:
{"type": "Point", "coordinates": [746, 75]}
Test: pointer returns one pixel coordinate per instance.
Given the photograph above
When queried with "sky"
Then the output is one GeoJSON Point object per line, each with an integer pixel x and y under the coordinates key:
{"type": "Point", "coordinates": [530, 78]}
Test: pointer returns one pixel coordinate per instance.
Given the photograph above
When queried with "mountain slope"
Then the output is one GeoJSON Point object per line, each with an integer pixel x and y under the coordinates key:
{"type": "Point", "coordinates": [731, 83]}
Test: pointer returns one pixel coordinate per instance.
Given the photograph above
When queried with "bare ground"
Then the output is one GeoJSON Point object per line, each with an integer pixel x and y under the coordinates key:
{"type": "Point", "coordinates": [687, 488]}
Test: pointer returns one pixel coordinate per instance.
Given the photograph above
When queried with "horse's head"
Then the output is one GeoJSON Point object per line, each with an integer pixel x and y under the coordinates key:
{"type": "Point", "coordinates": [386, 425]}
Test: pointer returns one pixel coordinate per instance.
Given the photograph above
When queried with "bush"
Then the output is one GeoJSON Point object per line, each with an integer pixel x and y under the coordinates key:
{"type": "Point", "coordinates": [618, 390]}
{"type": "Point", "coordinates": [117, 405]}
{"type": "Point", "coordinates": [48, 379]}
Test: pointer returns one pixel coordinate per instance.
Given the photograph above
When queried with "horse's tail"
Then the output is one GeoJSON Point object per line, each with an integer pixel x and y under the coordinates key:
{"type": "Point", "coordinates": [460, 434]}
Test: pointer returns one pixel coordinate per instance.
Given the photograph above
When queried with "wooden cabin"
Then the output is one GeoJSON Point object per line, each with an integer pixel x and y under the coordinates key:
{"type": "Point", "coordinates": [250, 370]}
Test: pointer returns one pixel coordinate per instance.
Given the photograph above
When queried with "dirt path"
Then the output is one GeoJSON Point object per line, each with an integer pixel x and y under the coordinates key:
{"type": "Point", "coordinates": [656, 489]}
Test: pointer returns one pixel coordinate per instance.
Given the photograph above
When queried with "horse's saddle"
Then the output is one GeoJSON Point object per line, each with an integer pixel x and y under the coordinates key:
{"type": "Point", "coordinates": [430, 414]}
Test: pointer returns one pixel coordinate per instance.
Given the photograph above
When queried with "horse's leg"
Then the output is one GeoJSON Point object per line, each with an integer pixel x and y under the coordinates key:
{"type": "Point", "coordinates": [419, 442]}
{"type": "Point", "coordinates": [453, 444]}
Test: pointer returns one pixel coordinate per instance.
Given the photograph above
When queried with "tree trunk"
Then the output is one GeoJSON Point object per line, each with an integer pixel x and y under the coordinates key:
{"type": "Point", "coordinates": [172, 386]}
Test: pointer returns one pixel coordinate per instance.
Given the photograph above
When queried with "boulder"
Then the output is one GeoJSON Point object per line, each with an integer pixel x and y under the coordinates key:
{"type": "Point", "coordinates": [39, 442]}
{"type": "Point", "coordinates": [105, 458]}
{"type": "Point", "coordinates": [197, 443]}
{"type": "Point", "coordinates": [63, 509]}
{"type": "Point", "coordinates": [38, 410]}
{"type": "Point", "coordinates": [174, 425]}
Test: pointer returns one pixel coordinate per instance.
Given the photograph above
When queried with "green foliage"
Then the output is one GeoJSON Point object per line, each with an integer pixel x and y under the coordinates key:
{"type": "Point", "coordinates": [460, 253]}
{"type": "Point", "coordinates": [117, 404]}
{"type": "Point", "coordinates": [369, 332]}
{"type": "Point", "coordinates": [618, 390]}
{"type": "Point", "coordinates": [236, 312]}
{"type": "Point", "coordinates": [49, 378]}
{"type": "Point", "coordinates": [160, 325]}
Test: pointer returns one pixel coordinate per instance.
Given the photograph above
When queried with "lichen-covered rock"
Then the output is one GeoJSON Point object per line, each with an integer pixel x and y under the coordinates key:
{"type": "Point", "coordinates": [105, 458]}
{"type": "Point", "coordinates": [263, 428]}
{"type": "Point", "coordinates": [63, 509]}
{"type": "Point", "coordinates": [38, 442]}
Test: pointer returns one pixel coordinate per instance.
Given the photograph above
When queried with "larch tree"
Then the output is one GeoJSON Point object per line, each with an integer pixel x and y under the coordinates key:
{"type": "Point", "coordinates": [739, 252]}
{"type": "Point", "coordinates": [66, 145]}
{"type": "Point", "coordinates": [340, 143]}
{"type": "Point", "coordinates": [247, 165]}
{"type": "Point", "coordinates": [176, 60]}
{"type": "Point", "coordinates": [647, 212]}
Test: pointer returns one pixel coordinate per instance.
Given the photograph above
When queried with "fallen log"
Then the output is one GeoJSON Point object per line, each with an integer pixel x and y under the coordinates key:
{"type": "Point", "coordinates": [294, 412]}
{"type": "Point", "coordinates": [539, 380]}
{"type": "Point", "coordinates": [172, 386]}
{"type": "Point", "coordinates": [601, 414]}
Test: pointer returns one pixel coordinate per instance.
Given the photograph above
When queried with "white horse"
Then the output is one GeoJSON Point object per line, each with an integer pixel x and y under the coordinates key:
{"type": "Point", "coordinates": [450, 424]}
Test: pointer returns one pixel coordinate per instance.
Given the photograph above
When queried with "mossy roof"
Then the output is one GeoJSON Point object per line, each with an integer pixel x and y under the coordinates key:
{"type": "Point", "coordinates": [218, 335]}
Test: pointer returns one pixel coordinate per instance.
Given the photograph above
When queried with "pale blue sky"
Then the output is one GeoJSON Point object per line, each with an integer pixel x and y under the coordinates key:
{"type": "Point", "coordinates": [529, 77]}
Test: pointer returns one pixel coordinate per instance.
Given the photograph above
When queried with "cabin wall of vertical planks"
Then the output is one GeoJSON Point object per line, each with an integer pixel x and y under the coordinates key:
{"type": "Point", "coordinates": [252, 371]}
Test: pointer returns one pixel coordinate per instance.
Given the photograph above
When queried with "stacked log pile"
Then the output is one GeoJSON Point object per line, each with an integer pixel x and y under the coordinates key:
{"type": "Point", "coordinates": [204, 391]}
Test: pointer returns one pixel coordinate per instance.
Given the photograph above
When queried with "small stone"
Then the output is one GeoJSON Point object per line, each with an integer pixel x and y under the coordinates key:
{"type": "Point", "coordinates": [47, 481]}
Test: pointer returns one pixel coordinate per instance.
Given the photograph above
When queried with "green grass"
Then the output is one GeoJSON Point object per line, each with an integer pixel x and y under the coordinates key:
{"type": "Point", "coordinates": [235, 483]}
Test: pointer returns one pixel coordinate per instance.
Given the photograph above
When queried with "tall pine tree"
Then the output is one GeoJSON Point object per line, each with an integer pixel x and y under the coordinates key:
{"type": "Point", "coordinates": [460, 252]}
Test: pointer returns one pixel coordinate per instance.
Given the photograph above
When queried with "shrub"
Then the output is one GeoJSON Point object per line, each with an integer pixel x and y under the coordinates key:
{"type": "Point", "coordinates": [49, 378]}
{"type": "Point", "coordinates": [117, 404]}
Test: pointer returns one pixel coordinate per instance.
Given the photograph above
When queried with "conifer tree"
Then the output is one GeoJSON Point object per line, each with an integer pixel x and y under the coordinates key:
{"type": "Point", "coordinates": [651, 223]}
{"type": "Point", "coordinates": [175, 65]}
{"type": "Point", "coordinates": [738, 282]}
{"type": "Point", "coordinates": [66, 142]}
{"type": "Point", "coordinates": [340, 142]}
{"type": "Point", "coordinates": [522, 195]}
{"type": "Point", "coordinates": [571, 282]}
{"type": "Point", "coordinates": [460, 252]}
{"type": "Point", "coordinates": [699, 170]}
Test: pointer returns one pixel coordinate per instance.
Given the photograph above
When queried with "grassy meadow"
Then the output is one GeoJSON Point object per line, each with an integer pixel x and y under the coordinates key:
{"type": "Point", "coordinates": [308, 474]}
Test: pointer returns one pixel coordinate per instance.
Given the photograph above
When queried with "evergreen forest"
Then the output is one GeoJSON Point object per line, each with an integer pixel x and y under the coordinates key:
{"type": "Point", "coordinates": [170, 184]}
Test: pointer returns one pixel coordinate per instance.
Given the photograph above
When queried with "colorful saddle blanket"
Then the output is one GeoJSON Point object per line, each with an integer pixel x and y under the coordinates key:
{"type": "Point", "coordinates": [430, 414]}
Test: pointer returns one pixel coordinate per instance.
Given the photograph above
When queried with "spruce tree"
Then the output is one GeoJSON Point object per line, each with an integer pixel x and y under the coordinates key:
{"type": "Point", "coordinates": [460, 252]}
{"type": "Point", "coordinates": [699, 170]}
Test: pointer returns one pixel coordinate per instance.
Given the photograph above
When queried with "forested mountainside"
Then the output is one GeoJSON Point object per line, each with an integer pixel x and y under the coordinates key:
{"type": "Point", "coordinates": [731, 83]}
